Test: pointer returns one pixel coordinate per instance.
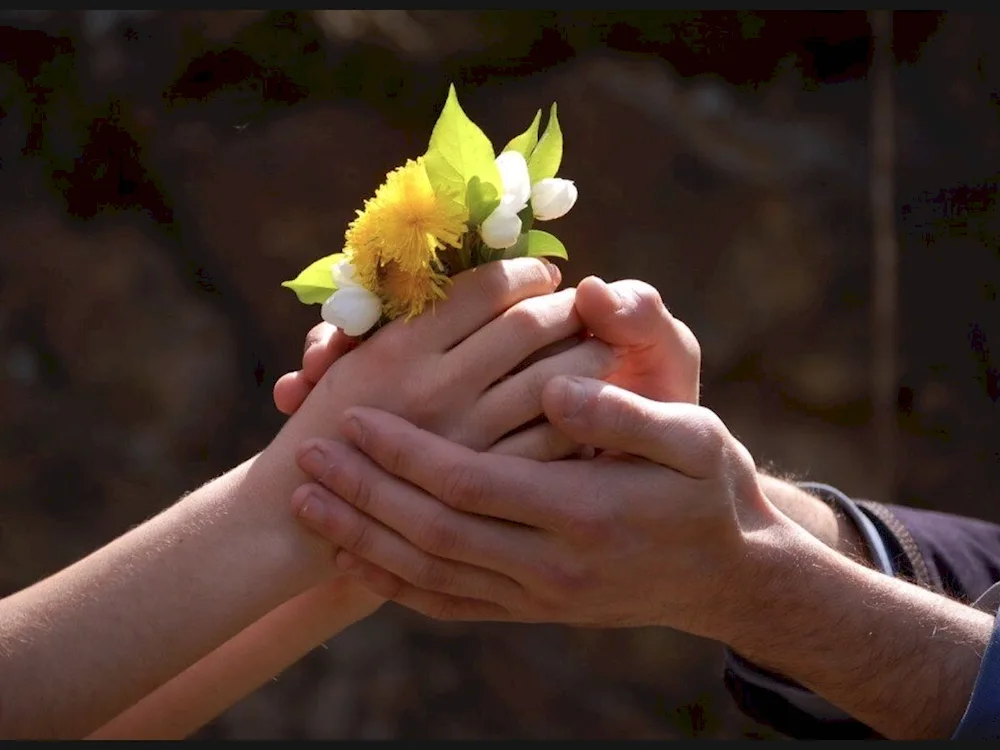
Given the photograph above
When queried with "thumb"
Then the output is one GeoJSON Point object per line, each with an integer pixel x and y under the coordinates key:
{"type": "Point", "coordinates": [623, 314]}
{"type": "Point", "coordinates": [687, 438]}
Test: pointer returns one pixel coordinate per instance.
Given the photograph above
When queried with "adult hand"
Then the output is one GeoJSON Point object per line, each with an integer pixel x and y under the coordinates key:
{"type": "Point", "coordinates": [665, 533]}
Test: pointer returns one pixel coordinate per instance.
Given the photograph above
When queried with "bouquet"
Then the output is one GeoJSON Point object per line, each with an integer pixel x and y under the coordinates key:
{"type": "Point", "coordinates": [457, 206]}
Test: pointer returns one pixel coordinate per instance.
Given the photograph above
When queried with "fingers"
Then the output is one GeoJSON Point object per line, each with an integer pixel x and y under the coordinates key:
{"type": "Point", "coordinates": [432, 604]}
{"type": "Point", "coordinates": [325, 344]}
{"type": "Point", "coordinates": [481, 483]}
{"type": "Point", "coordinates": [661, 357]}
{"type": "Point", "coordinates": [687, 438]}
{"type": "Point", "coordinates": [355, 532]}
{"type": "Point", "coordinates": [625, 313]}
{"type": "Point", "coordinates": [290, 391]}
{"type": "Point", "coordinates": [476, 297]}
{"type": "Point", "coordinates": [501, 345]}
{"type": "Point", "coordinates": [411, 513]}
{"type": "Point", "coordinates": [318, 334]}
{"type": "Point", "coordinates": [517, 400]}
{"type": "Point", "coordinates": [541, 442]}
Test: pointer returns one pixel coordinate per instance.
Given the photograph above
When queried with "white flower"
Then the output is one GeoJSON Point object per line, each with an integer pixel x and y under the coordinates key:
{"type": "Point", "coordinates": [552, 198]}
{"type": "Point", "coordinates": [501, 228]}
{"type": "Point", "coordinates": [515, 180]}
{"type": "Point", "coordinates": [353, 309]}
{"type": "Point", "coordinates": [344, 274]}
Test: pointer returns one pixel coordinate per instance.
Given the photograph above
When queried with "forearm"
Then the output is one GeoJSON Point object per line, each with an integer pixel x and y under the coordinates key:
{"type": "Point", "coordinates": [244, 663]}
{"type": "Point", "coordinates": [899, 658]}
{"type": "Point", "coordinates": [81, 646]}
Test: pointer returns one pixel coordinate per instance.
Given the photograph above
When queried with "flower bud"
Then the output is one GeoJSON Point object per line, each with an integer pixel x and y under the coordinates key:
{"type": "Point", "coordinates": [501, 228]}
{"type": "Point", "coordinates": [516, 182]}
{"type": "Point", "coordinates": [552, 198]}
{"type": "Point", "coordinates": [353, 309]}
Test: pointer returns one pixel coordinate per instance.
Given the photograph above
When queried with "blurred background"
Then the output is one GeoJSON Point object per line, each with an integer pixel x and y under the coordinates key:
{"type": "Point", "coordinates": [162, 172]}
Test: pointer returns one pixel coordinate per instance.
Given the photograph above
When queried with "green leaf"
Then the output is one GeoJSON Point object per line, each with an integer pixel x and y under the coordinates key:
{"type": "Point", "coordinates": [482, 199]}
{"type": "Point", "coordinates": [444, 178]}
{"type": "Point", "coordinates": [525, 143]}
{"type": "Point", "coordinates": [315, 284]}
{"type": "Point", "coordinates": [542, 244]}
{"type": "Point", "coordinates": [459, 151]}
{"type": "Point", "coordinates": [545, 159]}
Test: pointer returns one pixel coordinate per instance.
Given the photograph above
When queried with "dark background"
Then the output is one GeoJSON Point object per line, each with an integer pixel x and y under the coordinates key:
{"type": "Point", "coordinates": [162, 172]}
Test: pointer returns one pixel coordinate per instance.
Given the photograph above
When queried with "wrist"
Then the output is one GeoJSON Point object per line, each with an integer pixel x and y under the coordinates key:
{"type": "Point", "coordinates": [820, 519]}
{"type": "Point", "coordinates": [343, 593]}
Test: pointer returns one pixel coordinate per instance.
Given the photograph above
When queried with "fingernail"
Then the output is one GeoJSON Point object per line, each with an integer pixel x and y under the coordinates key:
{"type": "Point", "coordinates": [314, 461]}
{"type": "Point", "coordinates": [574, 394]}
{"type": "Point", "coordinates": [554, 272]}
{"type": "Point", "coordinates": [312, 510]}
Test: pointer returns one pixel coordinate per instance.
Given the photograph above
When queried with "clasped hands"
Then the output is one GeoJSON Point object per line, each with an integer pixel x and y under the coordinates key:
{"type": "Point", "coordinates": [463, 504]}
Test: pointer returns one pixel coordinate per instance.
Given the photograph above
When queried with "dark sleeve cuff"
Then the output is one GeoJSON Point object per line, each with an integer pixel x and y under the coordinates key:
{"type": "Point", "coordinates": [953, 555]}
{"type": "Point", "coordinates": [783, 704]}
{"type": "Point", "coordinates": [982, 716]}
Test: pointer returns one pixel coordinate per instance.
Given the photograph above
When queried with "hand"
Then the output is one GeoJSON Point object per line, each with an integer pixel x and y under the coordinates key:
{"type": "Point", "coordinates": [670, 534]}
{"type": "Point", "coordinates": [448, 371]}
{"type": "Point", "coordinates": [660, 356]}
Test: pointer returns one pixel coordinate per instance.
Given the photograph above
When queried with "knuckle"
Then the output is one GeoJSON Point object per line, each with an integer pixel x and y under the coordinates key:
{"type": "Point", "coordinates": [359, 538]}
{"type": "Point", "coordinates": [356, 487]}
{"type": "Point", "coordinates": [394, 458]}
{"type": "Point", "coordinates": [689, 341]}
{"type": "Point", "coordinates": [646, 295]}
{"type": "Point", "coordinates": [712, 436]}
{"type": "Point", "coordinates": [365, 495]}
{"type": "Point", "coordinates": [433, 575]}
{"type": "Point", "coordinates": [622, 415]}
{"type": "Point", "coordinates": [439, 535]}
{"type": "Point", "coordinates": [527, 319]}
{"type": "Point", "coordinates": [465, 487]}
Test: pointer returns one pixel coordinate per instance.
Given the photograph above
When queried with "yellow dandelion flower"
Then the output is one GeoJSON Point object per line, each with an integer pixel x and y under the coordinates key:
{"type": "Point", "coordinates": [406, 221]}
{"type": "Point", "coordinates": [364, 249]}
{"type": "Point", "coordinates": [409, 293]}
